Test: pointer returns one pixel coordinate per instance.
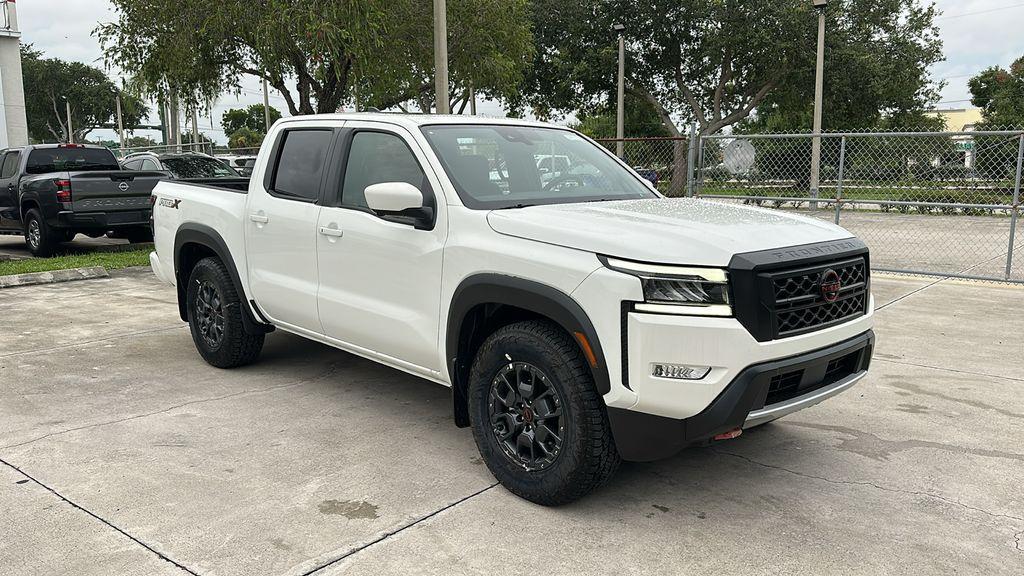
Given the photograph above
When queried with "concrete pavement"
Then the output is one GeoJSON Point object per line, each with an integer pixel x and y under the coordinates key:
{"type": "Point", "coordinates": [123, 453]}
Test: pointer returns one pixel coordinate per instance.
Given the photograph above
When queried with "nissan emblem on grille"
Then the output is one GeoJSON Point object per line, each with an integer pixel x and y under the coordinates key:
{"type": "Point", "coordinates": [830, 285]}
{"type": "Point", "coordinates": [123, 186]}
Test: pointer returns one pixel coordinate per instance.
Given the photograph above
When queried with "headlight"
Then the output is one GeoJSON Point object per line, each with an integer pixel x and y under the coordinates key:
{"type": "Point", "coordinates": [679, 289]}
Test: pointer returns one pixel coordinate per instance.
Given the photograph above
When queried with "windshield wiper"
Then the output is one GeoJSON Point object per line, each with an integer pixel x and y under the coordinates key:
{"type": "Point", "coordinates": [515, 206]}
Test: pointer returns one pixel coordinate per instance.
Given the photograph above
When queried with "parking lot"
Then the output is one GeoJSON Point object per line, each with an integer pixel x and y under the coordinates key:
{"type": "Point", "coordinates": [123, 453]}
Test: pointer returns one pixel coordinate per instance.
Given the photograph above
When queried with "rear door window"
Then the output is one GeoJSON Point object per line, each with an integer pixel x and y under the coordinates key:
{"type": "Point", "coordinates": [300, 164]}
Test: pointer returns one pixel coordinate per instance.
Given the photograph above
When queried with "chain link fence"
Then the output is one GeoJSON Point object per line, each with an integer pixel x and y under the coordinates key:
{"type": "Point", "coordinates": [934, 203]}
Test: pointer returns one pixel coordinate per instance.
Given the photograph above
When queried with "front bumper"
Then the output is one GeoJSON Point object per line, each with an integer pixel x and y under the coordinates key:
{"type": "Point", "coordinates": [747, 400]}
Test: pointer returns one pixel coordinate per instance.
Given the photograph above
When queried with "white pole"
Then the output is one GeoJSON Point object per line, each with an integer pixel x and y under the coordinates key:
{"type": "Point", "coordinates": [195, 130]}
{"type": "Point", "coordinates": [620, 120]}
{"type": "Point", "coordinates": [266, 106]}
{"type": "Point", "coordinates": [819, 83]}
{"type": "Point", "coordinates": [472, 99]}
{"type": "Point", "coordinates": [441, 56]}
{"type": "Point", "coordinates": [120, 123]}
{"type": "Point", "coordinates": [71, 133]}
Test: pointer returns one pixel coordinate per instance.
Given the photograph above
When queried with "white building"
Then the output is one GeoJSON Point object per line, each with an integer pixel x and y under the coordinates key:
{"type": "Point", "coordinates": [13, 124]}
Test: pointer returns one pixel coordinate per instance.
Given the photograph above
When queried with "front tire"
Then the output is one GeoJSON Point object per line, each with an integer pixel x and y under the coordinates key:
{"type": "Point", "coordinates": [538, 421]}
{"type": "Point", "coordinates": [40, 238]}
{"type": "Point", "coordinates": [215, 317]}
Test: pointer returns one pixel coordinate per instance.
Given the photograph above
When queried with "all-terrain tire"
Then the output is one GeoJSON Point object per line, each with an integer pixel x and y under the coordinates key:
{"type": "Point", "coordinates": [232, 346]}
{"type": "Point", "coordinates": [587, 456]}
{"type": "Point", "coordinates": [40, 238]}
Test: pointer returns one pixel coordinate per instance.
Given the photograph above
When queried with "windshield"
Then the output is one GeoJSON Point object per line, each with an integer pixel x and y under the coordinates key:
{"type": "Point", "coordinates": [46, 160]}
{"type": "Point", "coordinates": [494, 166]}
{"type": "Point", "coordinates": [198, 167]}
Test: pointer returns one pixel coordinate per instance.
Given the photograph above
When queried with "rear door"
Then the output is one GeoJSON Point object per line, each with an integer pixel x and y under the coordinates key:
{"type": "Point", "coordinates": [380, 281]}
{"type": "Point", "coordinates": [280, 226]}
{"type": "Point", "coordinates": [9, 189]}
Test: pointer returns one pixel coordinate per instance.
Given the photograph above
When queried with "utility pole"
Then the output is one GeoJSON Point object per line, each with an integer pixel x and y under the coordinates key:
{"type": "Point", "coordinates": [71, 133]}
{"type": "Point", "coordinates": [266, 106]}
{"type": "Point", "coordinates": [819, 83]}
{"type": "Point", "coordinates": [441, 56]}
{"type": "Point", "coordinates": [620, 112]}
{"type": "Point", "coordinates": [472, 99]}
{"type": "Point", "coordinates": [120, 122]}
{"type": "Point", "coordinates": [195, 130]}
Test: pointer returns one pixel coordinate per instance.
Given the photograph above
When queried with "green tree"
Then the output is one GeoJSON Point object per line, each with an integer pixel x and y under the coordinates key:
{"type": "Point", "coordinates": [1000, 94]}
{"type": "Point", "coordinates": [641, 120]}
{"type": "Point", "coordinates": [716, 62]}
{"type": "Point", "coordinates": [140, 142]}
{"type": "Point", "coordinates": [245, 137]}
{"type": "Point", "coordinates": [50, 81]}
{"type": "Point", "coordinates": [315, 51]}
{"type": "Point", "coordinates": [251, 117]}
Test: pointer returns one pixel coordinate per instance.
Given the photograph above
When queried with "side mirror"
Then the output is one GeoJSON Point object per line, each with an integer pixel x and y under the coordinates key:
{"type": "Point", "coordinates": [393, 197]}
{"type": "Point", "coordinates": [399, 202]}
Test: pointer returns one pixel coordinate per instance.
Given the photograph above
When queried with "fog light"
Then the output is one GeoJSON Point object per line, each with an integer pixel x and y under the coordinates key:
{"type": "Point", "coordinates": [679, 371]}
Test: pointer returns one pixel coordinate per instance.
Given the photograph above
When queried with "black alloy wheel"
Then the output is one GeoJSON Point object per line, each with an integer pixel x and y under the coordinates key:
{"type": "Point", "coordinates": [526, 415]}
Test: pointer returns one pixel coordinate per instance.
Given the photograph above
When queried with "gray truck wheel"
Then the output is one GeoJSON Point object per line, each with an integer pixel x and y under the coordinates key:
{"type": "Point", "coordinates": [537, 418]}
{"type": "Point", "coordinates": [39, 237]}
{"type": "Point", "coordinates": [215, 317]}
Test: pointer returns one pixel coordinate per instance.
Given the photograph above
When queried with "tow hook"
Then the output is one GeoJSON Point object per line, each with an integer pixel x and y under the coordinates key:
{"type": "Point", "coordinates": [734, 433]}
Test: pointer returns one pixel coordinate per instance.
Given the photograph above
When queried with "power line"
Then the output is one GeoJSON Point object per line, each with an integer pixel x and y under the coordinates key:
{"type": "Point", "coordinates": [951, 16]}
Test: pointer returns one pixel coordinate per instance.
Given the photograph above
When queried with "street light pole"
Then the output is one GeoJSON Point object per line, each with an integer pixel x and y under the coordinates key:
{"type": "Point", "coordinates": [620, 120]}
{"type": "Point", "coordinates": [266, 107]}
{"type": "Point", "coordinates": [819, 83]}
{"type": "Point", "coordinates": [120, 122]}
{"type": "Point", "coordinates": [441, 56]}
{"type": "Point", "coordinates": [67, 108]}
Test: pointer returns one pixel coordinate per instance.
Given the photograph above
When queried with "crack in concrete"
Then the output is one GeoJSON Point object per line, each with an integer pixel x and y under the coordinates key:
{"type": "Point", "coordinates": [391, 533]}
{"type": "Point", "coordinates": [953, 370]}
{"type": "Point", "coordinates": [908, 294]}
{"type": "Point", "coordinates": [104, 521]}
{"type": "Point", "coordinates": [331, 369]}
{"type": "Point", "coordinates": [876, 486]}
{"type": "Point", "coordinates": [1017, 542]}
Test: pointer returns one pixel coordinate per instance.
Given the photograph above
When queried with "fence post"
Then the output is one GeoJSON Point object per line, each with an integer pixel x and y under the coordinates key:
{"type": "Point", "coordinates": [1016, 206]}
{"type": "Point", "coordinates": [839, 182]}
{"type": "Point", "coordinates": [691, 158]}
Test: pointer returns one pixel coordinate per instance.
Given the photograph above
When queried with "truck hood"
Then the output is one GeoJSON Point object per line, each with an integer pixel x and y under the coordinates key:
{"type": "Point", "coordinates": [664, 230]}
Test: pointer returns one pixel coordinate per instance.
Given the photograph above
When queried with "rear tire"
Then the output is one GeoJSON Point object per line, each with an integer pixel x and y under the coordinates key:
{"type": "Point", "coordinates": [40, 238]}
{"type": "Point", "coordinates": [530, 380]}
{"type": "Point", "coordinates": [215, 317]}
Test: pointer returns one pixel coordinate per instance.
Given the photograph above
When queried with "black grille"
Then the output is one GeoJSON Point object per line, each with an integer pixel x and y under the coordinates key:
{"type": "Point", "coordinates": [783, 387]}
{"type": "Point", "coordinates": [789, 385]}
{"type": "Point", "coordinates": [800, 306]}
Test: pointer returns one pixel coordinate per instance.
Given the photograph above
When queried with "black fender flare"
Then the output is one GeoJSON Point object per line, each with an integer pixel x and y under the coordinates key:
{"type": "Point", "coordinates": [192, 233]}
{"type": "Point", "coordinates": [489, 288]}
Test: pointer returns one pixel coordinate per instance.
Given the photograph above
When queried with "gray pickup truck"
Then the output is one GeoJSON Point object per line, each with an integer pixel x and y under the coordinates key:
{"type": "Point", "coordinates": [52, 192]}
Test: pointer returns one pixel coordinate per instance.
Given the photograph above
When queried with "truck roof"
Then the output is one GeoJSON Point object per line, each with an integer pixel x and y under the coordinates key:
{"type": "Point", "coordinates": [415, 120]}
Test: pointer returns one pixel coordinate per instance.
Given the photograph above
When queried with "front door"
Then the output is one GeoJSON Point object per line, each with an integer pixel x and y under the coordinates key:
{"type": "Point", "coordinates": [9, 218]}
{"type": "Point", "coordinates": [380, 281]}
{"type": "Point", "coordinates": [280, 226]}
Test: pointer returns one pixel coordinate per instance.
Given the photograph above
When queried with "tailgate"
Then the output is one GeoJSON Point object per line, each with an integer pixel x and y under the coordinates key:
{"type": "Point", "coordinates": [112, 191]}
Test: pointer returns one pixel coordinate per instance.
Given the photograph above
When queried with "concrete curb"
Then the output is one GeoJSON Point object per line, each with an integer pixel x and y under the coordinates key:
{"type": "Point", "coordinates": [52, 276]}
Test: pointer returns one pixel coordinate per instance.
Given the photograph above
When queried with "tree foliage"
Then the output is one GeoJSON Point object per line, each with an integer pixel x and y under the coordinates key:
{"type": "Point", "coordinates": [716, 62]}
{"type": "Point", "coordinates": [246, 137]}
{"type": "Point", "coordinates": [250, 117]}
{"type": "Point", "coordinates": [1000, 94]}
{"type": "Point", "coordinates": [315, 52]}
{"type": "Point", "coordinates": [640, 120]}
{"type": "Point", "coordinates": [49, 81]}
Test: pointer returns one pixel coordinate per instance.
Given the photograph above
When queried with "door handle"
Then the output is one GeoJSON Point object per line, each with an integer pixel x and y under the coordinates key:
{"type": "Point", "coordinates": [259, 219]}
{"type": "Point", "coordinates": [336, 232]}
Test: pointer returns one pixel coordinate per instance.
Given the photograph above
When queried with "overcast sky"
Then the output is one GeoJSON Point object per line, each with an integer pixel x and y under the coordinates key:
{"type": "Point", "coordinates": [976, 34]}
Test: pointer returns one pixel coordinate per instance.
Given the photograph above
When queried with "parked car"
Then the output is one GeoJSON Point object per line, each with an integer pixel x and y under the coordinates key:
{"type": "Point", "coordinates": [181, 165]}
{"type": "Point", "coordinates": [578, 322]}
{"type": "Point", "coordinates": [51, 192]}
{"type": "Point", "coordinates": [241, 164]}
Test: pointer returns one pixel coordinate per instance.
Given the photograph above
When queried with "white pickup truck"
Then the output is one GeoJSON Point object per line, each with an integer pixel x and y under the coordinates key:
{"type": "Point", "coordinates": [579, 317]}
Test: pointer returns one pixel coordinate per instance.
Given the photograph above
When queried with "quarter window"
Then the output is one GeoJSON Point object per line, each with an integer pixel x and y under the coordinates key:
{"type": "Point", "coordinates": [10, 166]}
{"type": "Point", "coordinates": [148, 164]}
{"type": "Point", "coordinates": [300, 163]}
{"type": "Point", "coordinates": [376, 157]}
